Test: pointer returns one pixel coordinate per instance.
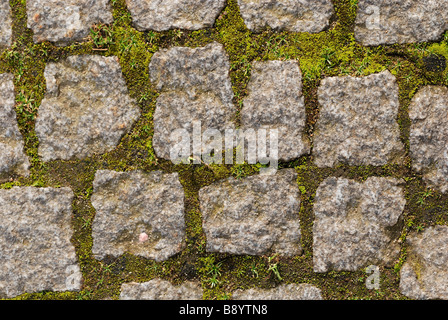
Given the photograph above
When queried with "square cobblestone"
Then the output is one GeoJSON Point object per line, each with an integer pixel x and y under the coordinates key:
{"type": "Point", "coordinates": [256, 215]}
{"type": "Point", "coordinates": [66, 21]}
{"type": "Point", "coordinates": [138, 213]}
{"type": "Point", "coordinates": [357, 123]}
{"type": "Point", "coordinates": [36, 252]}
{"type": "Point", "coordinates": [357, 224]}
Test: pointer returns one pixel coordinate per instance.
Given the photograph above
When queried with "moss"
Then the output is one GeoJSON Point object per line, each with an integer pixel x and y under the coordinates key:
{"type": "Point", "coordinates": [440, 49]}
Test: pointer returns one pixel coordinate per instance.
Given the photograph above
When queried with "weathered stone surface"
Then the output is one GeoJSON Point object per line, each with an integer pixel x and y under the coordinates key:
{"type": "Point", "coordinates": [428, 112]}
{"type": "Point", "coordinates": [66, 21]}
{"type": "Point", "coordinates": [275, 101]}
{"type": "Point", "coordinates": [424, 274]}
{"type": "Point", "coordinates": [195, 87]}
{"type": "Point", "coordinates": [301, 291]}
{"type": "Point", "coordinates": [256, 215]}
{"type": "Point", "coordinates": [86, 109]}
{"type": "Point", "coordinates": [5, 24]}
{"type": "Point", "coordinates": [357, 224]}
{"type": "Point", "coordinates": [161, 15]}
{"type": "Point", "coordinates": [158, 289]}
{"type": "Point", "coordinates": [35, 249]}
{"type": "Point", "coordinates": [296, 16]}
{"type": "Point", "coordinates": [139, 213]}
{"type": "Point", "coordinates": [358, 121]}
{"type": "Point", "coordinates": [13, 160]}
{"type": "Point", "coordinates": [400, 21]}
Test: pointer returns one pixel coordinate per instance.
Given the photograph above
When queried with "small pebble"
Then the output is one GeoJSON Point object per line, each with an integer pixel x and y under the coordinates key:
{"type": "Point", "coordinates": [143, 237]}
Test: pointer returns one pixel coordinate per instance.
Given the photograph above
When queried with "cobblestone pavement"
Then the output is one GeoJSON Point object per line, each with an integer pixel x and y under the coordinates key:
{"type": "Point", "coordinates": [93, 207]}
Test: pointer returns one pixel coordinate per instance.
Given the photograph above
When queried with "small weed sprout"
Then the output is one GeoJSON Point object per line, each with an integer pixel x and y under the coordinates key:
{"type": "Point", "coordinates": [420, 228]}
{"type": "Point", "coordinates": [211, 270]}
{"type": "Point", "coordinates": [101, 36]}
{"type": "Point", "coordinates": [273, 267]}
{"type": "Point", "coordinates": [215, 272]}
{"type": "Point", "coordinates": [424, 196]}
{"type": "Point", "coordinates": [254, 270]}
